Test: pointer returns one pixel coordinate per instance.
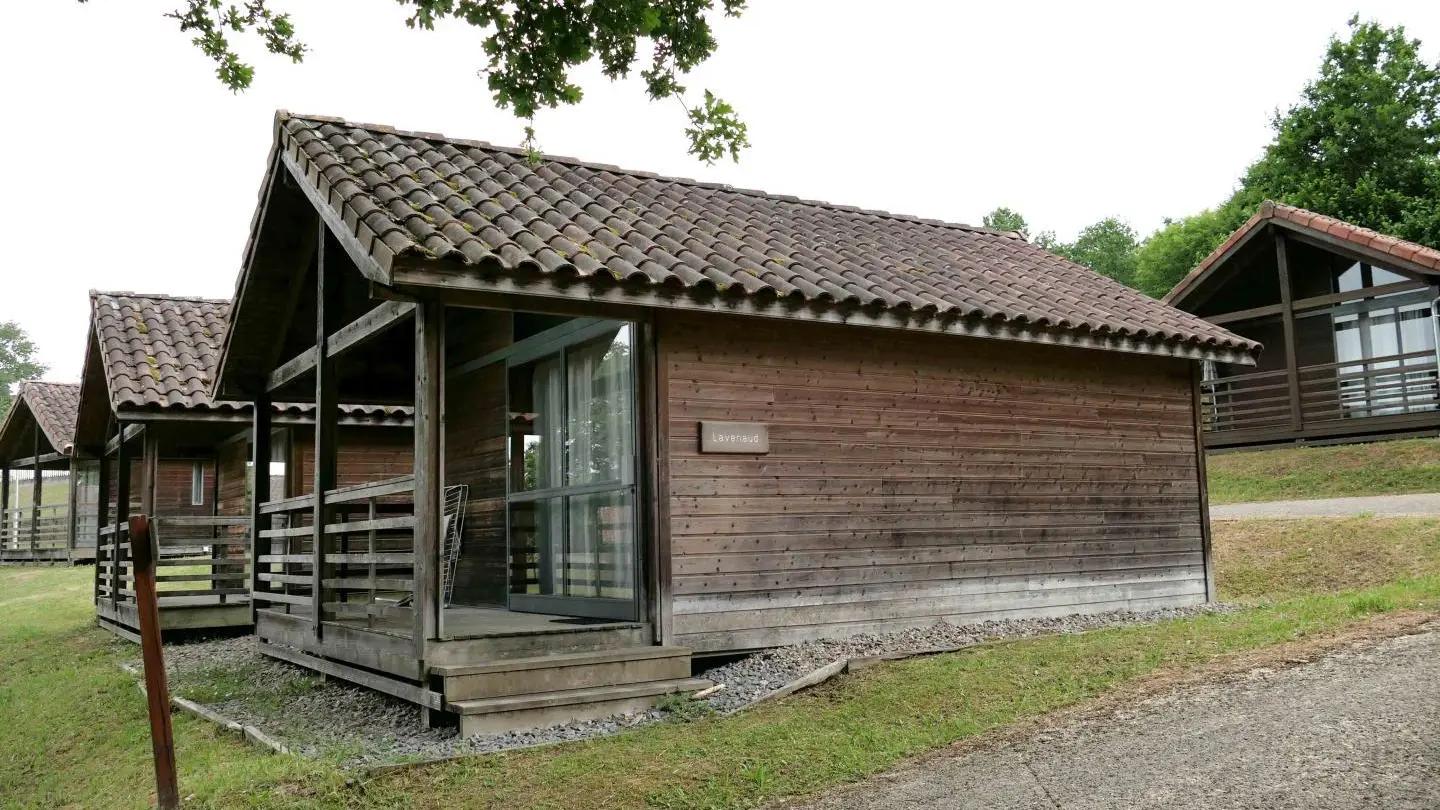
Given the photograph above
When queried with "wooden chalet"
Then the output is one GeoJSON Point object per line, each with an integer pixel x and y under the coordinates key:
{"type": "Point", "coordinates": [42, 519]}
{"type": "Point", "coordinates": [164, 447]}
{"type": "Point", "coordinates": [1347, 316]}
{"type": "Point", "coordinates": [656, 418]}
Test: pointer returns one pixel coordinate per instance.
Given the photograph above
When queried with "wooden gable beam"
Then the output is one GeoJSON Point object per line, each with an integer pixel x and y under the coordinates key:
{"type": "Point", "coordinates": [357, 332]}
{"type": "Point", "coordinates": [113, 446]}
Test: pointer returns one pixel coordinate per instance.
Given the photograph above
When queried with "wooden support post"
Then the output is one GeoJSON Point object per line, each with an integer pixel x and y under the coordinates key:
{"type": "Point", "coordinates": [73, 506]}
{"type": "Point", "coordinates": [102, 515]}
{"type": "Point", "coordinates": [122, 512]}
{"type": "Point", "coordinates": [5, 503]}
{"type": "Point", "coordinates": [149, 472]}
{"type": "Point", "coordinates": [259, 492]}
{"type": "Point", "coordinates": [429, 361]}
{"type": "Point", "coordinates": [152, 653]}
{"type": "Point", "coordinates": [327, 411]}
{"type": "Point", "coordinates": [1207, 556]}
{"type": "Point", "coordinates": [1287, 303]}
{"type": "Point", "coordinates": [36, 495]}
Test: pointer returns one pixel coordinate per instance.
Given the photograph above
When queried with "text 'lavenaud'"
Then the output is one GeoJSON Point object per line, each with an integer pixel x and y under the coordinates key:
{"type": "Point", "coordinates": [734, 437]}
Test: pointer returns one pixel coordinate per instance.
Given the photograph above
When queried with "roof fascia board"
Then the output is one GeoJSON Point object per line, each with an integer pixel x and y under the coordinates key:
{"type": "Point", "coordinates": [247, 264]}
{"type": "Point", "coordinates": [1359, 253]}
{"type": "Point", "coordinates": [1180, 296]}
{"type": "Point", "coordinates": [429, 276]}
{"type": "Point", "coordinates": [317, 192]}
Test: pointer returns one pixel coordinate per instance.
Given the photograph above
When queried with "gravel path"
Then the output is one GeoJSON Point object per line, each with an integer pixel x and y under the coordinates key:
{"type": "Point", "coordinates": [1357, 729]}
{"type": "Point", "coordinates": [1380, 505]}
{"type": "Point", "coordinates": [360, 727]}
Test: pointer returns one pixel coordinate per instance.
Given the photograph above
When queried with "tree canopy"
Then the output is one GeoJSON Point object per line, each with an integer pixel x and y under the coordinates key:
{"type": "Point", "coordinates": [1362, 145]}
{"type": "Point", "coordinates": [531, 48]}
{"type": "Point", "coordinates": [17, 361]}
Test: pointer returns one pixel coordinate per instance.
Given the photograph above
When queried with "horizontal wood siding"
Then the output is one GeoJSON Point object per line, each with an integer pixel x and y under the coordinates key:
{"type": "Point", "coordinates": [475, 419]}
{"type": "Point", "coordinates": [914, 478]}
{"type": "Point", "coordinates": [366, 454]}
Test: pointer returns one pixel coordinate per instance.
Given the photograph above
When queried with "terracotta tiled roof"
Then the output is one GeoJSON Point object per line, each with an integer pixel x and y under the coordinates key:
{"type": "Point", "coordinates": [55, 406]}
{"type": "Point", "coordinates": [160, 352]}
{"type": "Point", "coordinates": [415, 197]}
{"type": "Point", "coordinates": [1427, 258]}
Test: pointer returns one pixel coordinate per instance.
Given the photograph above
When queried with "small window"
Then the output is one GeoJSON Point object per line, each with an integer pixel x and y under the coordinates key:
{"type": "Point", "coordinates": [197, 484]}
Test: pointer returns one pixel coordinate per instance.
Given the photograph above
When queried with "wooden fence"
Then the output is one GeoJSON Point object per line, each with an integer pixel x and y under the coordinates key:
{"type": "Point", "coordinates": [1388, 385]}
{"type": "Point", "coordinates": [203, 560]}
{"type": "Point", "coordinates": [366, 557]}
{"type": "Point", "coordinates": [35, 532]}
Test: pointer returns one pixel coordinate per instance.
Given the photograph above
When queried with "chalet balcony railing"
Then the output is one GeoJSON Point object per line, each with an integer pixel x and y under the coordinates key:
{"type": "Point", "coordinates": [201, 560]}
{"type": "Point", "coordinates": [1389, 385]}
{"type": "Point", "coordinates": [40, 530]}
{"type": "Point", "coordinates": [367, 561]}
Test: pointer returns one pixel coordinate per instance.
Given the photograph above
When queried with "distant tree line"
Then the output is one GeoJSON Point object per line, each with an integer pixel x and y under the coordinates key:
{"type": "Point", "coordinates": [1363, 145]}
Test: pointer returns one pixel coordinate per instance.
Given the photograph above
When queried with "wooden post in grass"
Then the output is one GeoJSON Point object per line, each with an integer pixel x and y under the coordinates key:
{"type": "Point", "coordinates": [157, 689]}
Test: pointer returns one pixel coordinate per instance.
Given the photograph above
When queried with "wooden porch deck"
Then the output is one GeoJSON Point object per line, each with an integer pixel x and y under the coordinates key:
{"type": "Point", "coordinates": [201, 575]}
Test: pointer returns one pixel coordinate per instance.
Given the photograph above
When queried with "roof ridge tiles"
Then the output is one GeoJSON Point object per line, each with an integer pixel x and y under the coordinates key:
{"type": "Point", "coordinates": [157, 296]}
{"type": "Point", "coordinates": [284, 115]}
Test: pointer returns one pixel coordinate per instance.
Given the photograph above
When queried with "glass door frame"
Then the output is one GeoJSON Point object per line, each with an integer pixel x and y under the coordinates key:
{"type": "Point", "coordinates": [558, 341]}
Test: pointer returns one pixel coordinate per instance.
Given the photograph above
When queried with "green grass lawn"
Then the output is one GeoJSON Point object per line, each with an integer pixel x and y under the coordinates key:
{"type": "Point", "coordinates": [1295, 473]}
{"type": "Point", "coordinates": [73, 730]}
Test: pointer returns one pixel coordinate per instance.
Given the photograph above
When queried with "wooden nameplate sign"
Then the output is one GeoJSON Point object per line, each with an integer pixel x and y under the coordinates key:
{"type": "Point", "coordinates": [734, 437]}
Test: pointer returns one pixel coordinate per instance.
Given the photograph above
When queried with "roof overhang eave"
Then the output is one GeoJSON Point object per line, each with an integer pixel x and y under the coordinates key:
{"type": "Point", "coordinates": [510, 289]}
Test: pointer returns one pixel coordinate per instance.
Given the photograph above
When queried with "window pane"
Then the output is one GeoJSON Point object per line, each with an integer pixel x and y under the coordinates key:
{"type": "Point", "coordinates": [600, 382]}
{"type": "Point", "coordinates": [537, 408]}
{"type": "Point", "coordinates": [601, 557]}
{"type": "Point", "coordinates": [537, 546]}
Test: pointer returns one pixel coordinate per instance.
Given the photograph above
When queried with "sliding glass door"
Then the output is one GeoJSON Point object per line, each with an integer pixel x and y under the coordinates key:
{"type": "Point", "coordinates": [571, 498]}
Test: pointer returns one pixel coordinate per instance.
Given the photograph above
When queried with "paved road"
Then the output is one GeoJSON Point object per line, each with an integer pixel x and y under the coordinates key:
{"type": "Point", "coordinates": [1358, 729]}
{"type": "Point", "coordinates": [1425, 504]}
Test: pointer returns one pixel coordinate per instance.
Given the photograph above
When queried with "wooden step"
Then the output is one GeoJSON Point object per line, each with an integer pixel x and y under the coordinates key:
{"type": "Point", "coordinates": [501, 714]}
{"type": "Point", "coordinates": [484, 649]}
{"type": "Point", "coordinates": [568, 671]}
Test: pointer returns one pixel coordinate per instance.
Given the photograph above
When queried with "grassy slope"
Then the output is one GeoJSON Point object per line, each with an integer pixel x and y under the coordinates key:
{"type": "Point", "coordinates": [55, 673]}
{"type": "Point", "coordinates": [1293, 473]}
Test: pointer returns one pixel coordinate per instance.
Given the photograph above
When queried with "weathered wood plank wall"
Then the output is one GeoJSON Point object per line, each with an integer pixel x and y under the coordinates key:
{"type": "Point", "coordinates": [913, 478]}
{"type": "Point", "coordinates": [475, 417]}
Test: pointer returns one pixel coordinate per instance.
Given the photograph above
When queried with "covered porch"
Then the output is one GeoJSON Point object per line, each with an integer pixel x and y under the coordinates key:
{"type": "Point", "coordinates": [1348, 320]}
{"type": "Point", "coordinates": [183, 474]}
{"type": "Point", "coordinates": [43, 485]}
{"type": "Point", "coordinates": [506, 581]}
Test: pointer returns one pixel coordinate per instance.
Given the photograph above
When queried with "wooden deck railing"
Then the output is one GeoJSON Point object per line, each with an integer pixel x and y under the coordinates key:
{"type": "Point", "coordinates": [35, 529]}
{"type": "Point", "coordinates": [367, 554]}
{"type": "Point", "coordinates": [202, 559]}
{"type": "Point", "coordinates": [1379, 386]}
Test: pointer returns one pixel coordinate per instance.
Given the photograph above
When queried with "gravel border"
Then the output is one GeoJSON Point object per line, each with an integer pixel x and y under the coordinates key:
{"type": "Point", "coordinates": [331, 719]}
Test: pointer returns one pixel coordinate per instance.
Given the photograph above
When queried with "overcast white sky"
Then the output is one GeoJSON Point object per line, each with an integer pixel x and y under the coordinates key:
{"type": "Point", "coordinates": [128, 166]}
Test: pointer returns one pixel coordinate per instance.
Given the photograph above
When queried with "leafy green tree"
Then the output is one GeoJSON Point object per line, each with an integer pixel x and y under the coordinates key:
{"type": "Point", "coordinates": [1174, 250]}
{"type": "Point", "coordinates": [17, 361]}
{"type": "Point", "coordinates": [531, 48]}
{"type": "Point", "coordinates": [1006, 219]}
{"type": "Point", "coordinates": [1108, 247]}
{"type": "Point", "coordinates": [1364, 142]}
